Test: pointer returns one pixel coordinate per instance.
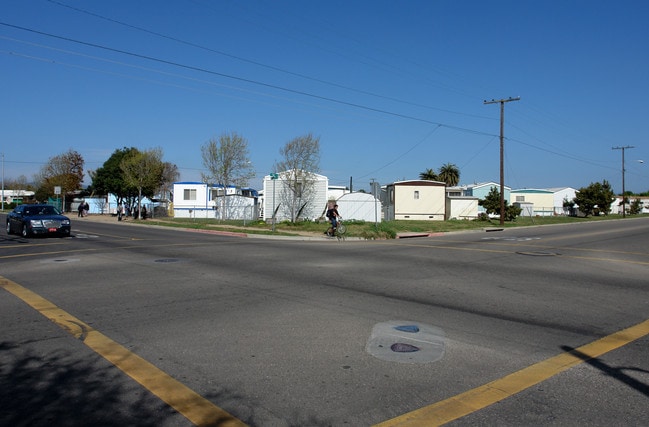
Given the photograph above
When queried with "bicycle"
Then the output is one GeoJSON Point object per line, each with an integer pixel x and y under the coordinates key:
{"type": "Point", "coordinates": [339, 231]}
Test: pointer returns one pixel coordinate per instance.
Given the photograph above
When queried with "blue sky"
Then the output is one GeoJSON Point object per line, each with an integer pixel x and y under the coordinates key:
{"type": "Point", "coordinates": [392, 88]}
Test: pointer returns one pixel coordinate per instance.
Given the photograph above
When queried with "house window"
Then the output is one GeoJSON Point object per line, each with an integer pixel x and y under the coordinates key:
{"type": "Point", "coordinates": [520, 198]}
{"type": "Point", "coordinates": [416, 194]}
{"type": "Point", "coordinates": [216, 192]}
{"type": "Point", "coordinates": [189, 194]}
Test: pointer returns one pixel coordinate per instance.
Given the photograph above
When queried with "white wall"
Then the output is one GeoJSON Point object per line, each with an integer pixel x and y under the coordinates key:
{"type": "Point", "coordinates": [276, 191]}
{"type": "Point", "coordinates": [461, 207]}
{"type": "Point", "coordinates": [360, 207]}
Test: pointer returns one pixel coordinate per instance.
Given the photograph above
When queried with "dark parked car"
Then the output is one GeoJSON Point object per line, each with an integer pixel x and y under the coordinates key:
{"type": "Point", "coordinates": [37, 219]}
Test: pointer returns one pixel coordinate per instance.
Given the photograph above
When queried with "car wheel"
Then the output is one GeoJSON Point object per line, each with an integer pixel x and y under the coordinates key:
{"type": "Point", "coordinates": [8, 227]}
{"type": "Point", "coordinates": [25, 232]}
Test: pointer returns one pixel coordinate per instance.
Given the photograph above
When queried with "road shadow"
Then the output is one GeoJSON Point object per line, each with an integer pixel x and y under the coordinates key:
{"type": "Point", "coordinates": [615, 372]}
{"type": "Point", "coordinates": [58, 389]}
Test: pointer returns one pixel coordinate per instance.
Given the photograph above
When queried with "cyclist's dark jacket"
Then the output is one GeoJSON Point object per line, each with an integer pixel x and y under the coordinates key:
{"type": "Point", "coordinates": [332, 213]}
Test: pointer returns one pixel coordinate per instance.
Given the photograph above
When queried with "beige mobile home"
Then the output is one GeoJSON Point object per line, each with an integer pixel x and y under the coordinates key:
{"type": "Point", "coordinates": [417, 200]}
{"type": "Point", "coordinates": [542, 201]}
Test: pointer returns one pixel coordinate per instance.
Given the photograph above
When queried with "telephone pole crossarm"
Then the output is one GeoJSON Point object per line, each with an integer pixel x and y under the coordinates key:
{"type": "Point", "coordinates": [497, 101]}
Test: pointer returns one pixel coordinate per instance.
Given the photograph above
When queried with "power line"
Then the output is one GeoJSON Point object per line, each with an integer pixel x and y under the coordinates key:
{"type": "Point", "coordinates": [260, 64]}
{"type": "Point", "coordinates": [242, 79]}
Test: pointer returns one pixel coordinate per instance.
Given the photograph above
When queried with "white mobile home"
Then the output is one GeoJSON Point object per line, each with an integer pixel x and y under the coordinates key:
{"type": "Point", "coordinates": [359, 207]}
{"type": "Point", "coordinates": [561, 194]}
{"type": "Point", "coordinates": [17, 196]}
{"type": "Point", "coordinates": [461, 207]}
{"type": "Point", "coordinates": [201, 200]}
{"type": "Point", "coordinates": [278, 195]}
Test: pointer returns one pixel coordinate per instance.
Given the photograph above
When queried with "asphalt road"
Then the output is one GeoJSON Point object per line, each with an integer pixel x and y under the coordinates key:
{"type": "Point", "coordinates": [129, 325]}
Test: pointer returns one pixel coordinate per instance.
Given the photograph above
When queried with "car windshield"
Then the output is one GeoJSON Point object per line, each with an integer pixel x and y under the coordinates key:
{"type": "Point", "coordinates": [41, 210]}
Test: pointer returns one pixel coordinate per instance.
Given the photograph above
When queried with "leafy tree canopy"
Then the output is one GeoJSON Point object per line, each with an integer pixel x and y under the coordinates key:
{"type": "Point", "coordinates": [64, 170]}
{"type": "Point", "coordinates": [428, 175]}
{"type": "Point", "coordinates": [110, 179]}
{"type": "Point", "coordinates": [491, 203]}
{"type": "Point", "coordinates": [448, 173]}
{"type": "Point", "coordinates": [144, 171]}
{"type": "Point", "coordinates": [595, 199]}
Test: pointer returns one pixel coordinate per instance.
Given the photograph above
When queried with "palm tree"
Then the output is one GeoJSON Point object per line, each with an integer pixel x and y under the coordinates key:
{"type": "Point", "coordinates": [450, 174]}
{"type": "Point", "coordinates": [428, 175]}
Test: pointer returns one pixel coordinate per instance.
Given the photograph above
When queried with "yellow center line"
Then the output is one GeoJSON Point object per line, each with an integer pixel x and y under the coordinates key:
{"type": "Point", "coordinates": [187, 402]}
{"type": "Point", "coordinates": [478, 398]}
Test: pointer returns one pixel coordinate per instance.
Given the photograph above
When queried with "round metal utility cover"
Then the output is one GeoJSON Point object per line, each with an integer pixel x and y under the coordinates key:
{"type": "Point", "coordinates": [406, 342]}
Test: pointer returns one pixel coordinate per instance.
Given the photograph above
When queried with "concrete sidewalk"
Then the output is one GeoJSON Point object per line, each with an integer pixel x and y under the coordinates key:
{"type": "Point", "coordinates": [106, 218]}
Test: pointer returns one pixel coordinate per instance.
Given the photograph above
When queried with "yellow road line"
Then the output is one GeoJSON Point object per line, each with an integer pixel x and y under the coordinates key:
{"type": "Point", "coordinates": [190, 404]}
{"type": "Point", "coordinates": [478, 398]}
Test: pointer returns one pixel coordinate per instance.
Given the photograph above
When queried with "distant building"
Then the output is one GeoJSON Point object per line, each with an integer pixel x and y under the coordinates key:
{"type": "Point", "coordinates": [461, 207]}
{"type": "Point", "coordinates": [277, 195]}
{"type": "Point", "coordinates": [560, 195]}
{"type": "Point", "coordinates": [616, 206]}
{"type": "Point", "coordinates": [335, 192]}
{"type": "Point", "coordinates": [17, 196]}
{"type": "Point", "coordinates": [416, 200]}
{"type": "Point", "coordinates": [540, 201]}
{"type": "Point", "coordinates": [481, 190]}
{"type": "Point", "coordinates": [359, 207]}
{"type": "Point", "coordinates": [201, 200]}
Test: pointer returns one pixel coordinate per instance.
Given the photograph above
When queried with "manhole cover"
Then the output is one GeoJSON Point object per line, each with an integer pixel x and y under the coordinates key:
{"type": "Point", "coordinates": [537, 253]}
{"type": "Point", "coordinates": [406, 342]}
{"type": "Point", "coordinates": [59, 260]}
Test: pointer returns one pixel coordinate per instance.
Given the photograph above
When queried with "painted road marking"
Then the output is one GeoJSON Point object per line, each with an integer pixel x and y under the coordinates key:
{"type": "Point", "coordinates": [202, 412]}
{"type": "Point", "coordinates": [479, 398]}
{"type": "Point", "coordinates": [187, 402]}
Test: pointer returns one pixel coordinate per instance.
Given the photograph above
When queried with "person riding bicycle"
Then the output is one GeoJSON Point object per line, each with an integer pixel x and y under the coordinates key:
{"type": "Point", "coordinates": [332, 216]}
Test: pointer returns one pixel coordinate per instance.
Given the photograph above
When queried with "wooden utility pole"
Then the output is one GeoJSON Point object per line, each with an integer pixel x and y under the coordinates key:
{"type": "Point", "coordinates": [502, 152]}
{"type": "Point", "coordinates": [623, 189]}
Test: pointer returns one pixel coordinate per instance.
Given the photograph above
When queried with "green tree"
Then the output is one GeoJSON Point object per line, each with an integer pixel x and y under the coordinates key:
{"type": "Point", "coordinates": [595, 199]}
{"type": "Point", "coordinates": [491, 203]}
{"type": "Point", "coordinates": [450, 174]}
{"type": "Point", "coordinates": [298, 167]}
{"type": "Point", "coordinates": [428, 175]}
{"type": "Point", "coordinates": [636, 207]}
{"type": "Point", "coordinates": [143, 171]}
{"type": "Point", "coordinates": [569, 206]}
{"type": "Point", "coordinates": [109, 178]}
